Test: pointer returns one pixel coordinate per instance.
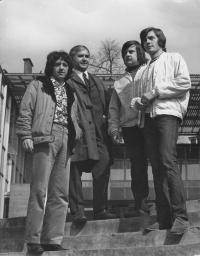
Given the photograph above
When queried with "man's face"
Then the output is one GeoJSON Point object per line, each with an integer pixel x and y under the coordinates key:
{"type": "Point", "coordinates": [81, 60]}
{"type": "Point", "coordinates": [151, 43]}
{"type": "Point", "coordinates": [130, 56]}
{"type": "Point", "coordinates": [60, 70]}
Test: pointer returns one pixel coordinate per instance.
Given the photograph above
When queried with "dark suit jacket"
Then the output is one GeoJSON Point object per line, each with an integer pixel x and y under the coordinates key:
{"type": "Point", "coordinates": [86, 147]}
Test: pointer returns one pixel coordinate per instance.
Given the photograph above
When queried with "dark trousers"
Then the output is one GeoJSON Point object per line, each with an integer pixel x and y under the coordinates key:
{"type": "Point", "coordinates": [100, 170]}
{"type": "Point", "coordinates": [161, 135]}
{"type": "Point", "coordinates": [134, 142]}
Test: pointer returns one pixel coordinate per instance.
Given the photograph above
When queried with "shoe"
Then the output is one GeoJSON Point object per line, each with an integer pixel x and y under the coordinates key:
{"type": "Point", "coordinates": [158, 226]}
{"type": "Point", "coordinates": [117, 215]}
{"type": "Point", "coordinates": [180, 226]}
{"type": "Point", "coordinates": [104, 215]}
{"type": "Point", "coordinates": [136, 213]}
{"type": "Point", "coordinates": [53, 247]}
{"type": "Point", "coordinates": [35, 248]}
{"type": "Point", "coordinates": [80, 217]}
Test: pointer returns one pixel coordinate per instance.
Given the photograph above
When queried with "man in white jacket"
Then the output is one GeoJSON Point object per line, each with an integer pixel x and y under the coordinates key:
{"type": "Point", "coordinates": [121, 118]}
{"type": "Point", "coordinates": [164, 86]}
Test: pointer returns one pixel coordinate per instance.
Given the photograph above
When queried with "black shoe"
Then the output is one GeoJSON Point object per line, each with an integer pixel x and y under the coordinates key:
{"type": "Point", "coordinates": [104, 215]}
{"type": "Point", "coordinates": [35, 248]}
{"type": "Point", "coordinates": [158, 226]}
{"type": "Point", "coordinates": [136, 213]}
{"type": "Point", "coordinates": [53, 247]}
{"type": "Point", "coordinates": [80, 217]}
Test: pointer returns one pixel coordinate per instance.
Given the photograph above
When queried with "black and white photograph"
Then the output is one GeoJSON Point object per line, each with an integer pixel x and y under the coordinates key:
{"type": "Point", "coordinates": [100, 127]}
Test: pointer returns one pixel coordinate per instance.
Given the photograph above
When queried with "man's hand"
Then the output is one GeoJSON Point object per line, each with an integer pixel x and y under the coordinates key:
{"type": "Point", "coordinates": [139, 105]}
{"type": "Point", "coordinates": [147, 98]}
{"type": "Point", "coordinates": [28, 145]}
{"type": "Point", "coordinates": [116, 138]}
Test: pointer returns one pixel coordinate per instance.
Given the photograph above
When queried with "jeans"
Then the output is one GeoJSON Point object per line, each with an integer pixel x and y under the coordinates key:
{"type": "Point", "coordinates": [50, 184]}
{"type": "Point", "coordinates": [161, 135]}
{"type": "Point", "coordinates": [134, 142]}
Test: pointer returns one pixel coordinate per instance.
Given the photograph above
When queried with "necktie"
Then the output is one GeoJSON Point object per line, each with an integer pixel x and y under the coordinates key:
{"type": "Point", "coordinates": [87, 82]}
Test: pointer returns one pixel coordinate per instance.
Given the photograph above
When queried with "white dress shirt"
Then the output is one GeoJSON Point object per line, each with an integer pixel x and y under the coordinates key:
{"type": "Point", "coordinates": [80, 74]}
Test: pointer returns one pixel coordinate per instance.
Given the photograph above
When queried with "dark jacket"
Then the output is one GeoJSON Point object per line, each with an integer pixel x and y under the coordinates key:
{"type": "Point", "coordinates": [86, 148]}
{"type": "Point", "coordinates": [37, 110]}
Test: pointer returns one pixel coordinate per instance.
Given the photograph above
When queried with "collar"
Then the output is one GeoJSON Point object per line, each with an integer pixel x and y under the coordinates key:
{"type": "Point", "coordinates": [154, 59]}
{"type": "Point", "coordinates": [132, 69]}
{"type": "Point", "coordinates": [55, 83]}
{"type": "Point", "coordinates": [80, 74]}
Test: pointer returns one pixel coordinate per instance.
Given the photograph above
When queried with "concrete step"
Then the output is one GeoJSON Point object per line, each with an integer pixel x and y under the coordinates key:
{"type": "Point", "coordinates": [13, 222]}
{"type": "Point", "coordinates": [109, 226]}
{"type": "Point", "coordinates": [133, 239]}
{"type": "Point", "coordinates": [172, 250]}
{"type": "Point", "coordinates": [107, 233]}
{"type": "Point", "coordinates": [121, 240]}
{"type": "Point", "coordinates": [14, 228]}
{"type": "Point", "coordinates": [118, 241]}
{"type": "Point", "coordinates": [121, 225]}
{"type": "Point", "coordinates": [192, 206]}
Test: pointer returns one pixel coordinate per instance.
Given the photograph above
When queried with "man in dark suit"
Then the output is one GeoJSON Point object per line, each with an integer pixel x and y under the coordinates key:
{"type": "Point", "coordinates": [91, 154]}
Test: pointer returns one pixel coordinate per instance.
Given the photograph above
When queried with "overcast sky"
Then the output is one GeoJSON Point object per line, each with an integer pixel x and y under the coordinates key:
{"type": "Point", "coordinates": [33, 28]}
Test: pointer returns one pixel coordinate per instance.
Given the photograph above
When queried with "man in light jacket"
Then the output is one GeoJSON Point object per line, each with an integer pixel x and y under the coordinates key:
{"type": "Point", "coordinates": [47, 126]}
{"type": "Point", "coordinates": [164, 86]}
{"type": "Point", "coordinates": [121, 118]}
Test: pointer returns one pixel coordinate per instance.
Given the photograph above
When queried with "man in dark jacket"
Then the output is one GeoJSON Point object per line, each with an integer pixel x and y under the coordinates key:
{"type": "Point", "coordinates": [47, 119]}
{"type": "Point", "coordinates": [91, 154]}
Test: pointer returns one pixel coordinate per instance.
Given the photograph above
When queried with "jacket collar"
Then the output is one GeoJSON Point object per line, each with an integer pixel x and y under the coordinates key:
{"type": "Point", "coordinates": [93, 80]}
{"type": "Point", "coordinates": [80, 74]}
{"type": "Point", "coordinates": [49, 88]}
{"type": "Point", "coordinates": [77, 79]}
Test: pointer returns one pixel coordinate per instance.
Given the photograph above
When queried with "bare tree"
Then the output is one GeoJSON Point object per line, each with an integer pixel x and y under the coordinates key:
{"type": "Point", "coordinates": [107, 60]}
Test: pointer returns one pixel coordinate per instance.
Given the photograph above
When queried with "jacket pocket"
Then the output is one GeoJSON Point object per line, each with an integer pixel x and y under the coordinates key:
{"type": "Point", "coordinates": [43, 139]}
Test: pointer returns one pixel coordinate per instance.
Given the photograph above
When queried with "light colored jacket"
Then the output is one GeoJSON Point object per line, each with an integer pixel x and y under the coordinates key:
{"type": "Point", "coordinates": [171, 85]}
{"type": "Point", "coordinates": [36, 113]}
{"type": "Point", "coordinates": [120, 112]}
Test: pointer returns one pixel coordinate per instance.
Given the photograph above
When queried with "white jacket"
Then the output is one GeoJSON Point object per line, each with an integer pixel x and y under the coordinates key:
{"type": "Point", "coordinates": [171, 85]}
{"type": "Point", "coordinates": [120, 112]}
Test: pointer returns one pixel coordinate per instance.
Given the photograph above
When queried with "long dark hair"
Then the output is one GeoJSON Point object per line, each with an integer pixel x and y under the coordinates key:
{"type": "Point", "coordinates": [140, 52]}
{"type": "Point", "coordinates": [52, 57]}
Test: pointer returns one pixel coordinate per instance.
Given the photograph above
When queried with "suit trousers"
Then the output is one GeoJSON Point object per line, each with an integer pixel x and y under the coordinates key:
{"type": "Point", "coordinates": [50, 185]}
{"type": "Point", "coordinates": [100, 170]}
{"type": "Point", "coordinates": [134, 142]}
